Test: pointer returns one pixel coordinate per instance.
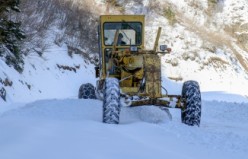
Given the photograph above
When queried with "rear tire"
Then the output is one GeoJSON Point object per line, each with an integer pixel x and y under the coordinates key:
{"type": "Point", "coordinates": [111, 101]}
{"type": "Point", "coordinates": [87, 91]}
{"type": "Point", "coordinates": [191, 113]}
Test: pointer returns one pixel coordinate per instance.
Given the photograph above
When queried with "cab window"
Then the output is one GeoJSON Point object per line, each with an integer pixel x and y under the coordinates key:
{"type": "Point", "coordinates": [130, 33]}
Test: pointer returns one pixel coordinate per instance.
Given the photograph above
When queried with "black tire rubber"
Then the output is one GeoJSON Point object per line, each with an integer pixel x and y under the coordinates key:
{"type": "Point", "coordinates": [191, 113]}
{"type": "Point", "coordinates": [111, 101]}
{"type": "Point", "coordinates": [87, 91]}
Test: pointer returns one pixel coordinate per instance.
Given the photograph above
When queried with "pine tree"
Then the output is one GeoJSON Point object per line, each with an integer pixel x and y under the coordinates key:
{"type": "Point", "coordinates": [10, 34]}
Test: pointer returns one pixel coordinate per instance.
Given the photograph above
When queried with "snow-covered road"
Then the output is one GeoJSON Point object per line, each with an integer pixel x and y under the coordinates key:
{"type": "Point", "coordinates": [72, 129]}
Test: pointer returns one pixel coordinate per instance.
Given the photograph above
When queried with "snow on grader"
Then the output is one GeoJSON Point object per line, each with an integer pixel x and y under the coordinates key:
{"type": "Point", "coordinates": [129, 75]}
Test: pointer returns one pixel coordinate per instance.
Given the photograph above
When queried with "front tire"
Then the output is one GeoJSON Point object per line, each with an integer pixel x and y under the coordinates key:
{"type": "Point", "coordinates": [191, 113]}
{"type": "Point", "coordinates": [111, 101]}
{"type": "Point", "coordinates": [87, 91]}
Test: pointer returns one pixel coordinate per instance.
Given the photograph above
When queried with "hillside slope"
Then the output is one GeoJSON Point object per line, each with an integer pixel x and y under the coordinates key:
{"type": "Point", "coordinates": [208, 42]}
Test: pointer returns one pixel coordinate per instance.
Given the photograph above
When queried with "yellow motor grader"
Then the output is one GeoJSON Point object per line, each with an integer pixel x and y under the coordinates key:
{"type": "Point", "coordinates": [129, 75]}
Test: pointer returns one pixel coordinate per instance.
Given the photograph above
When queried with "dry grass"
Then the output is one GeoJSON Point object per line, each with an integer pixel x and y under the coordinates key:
{"type": "Point", "coordinates": [243, 40]}
{"type": "Point", "coordinates": [196, 4]}
{"type": "Point", "coordinates": [217, 62]}
{"type": "Point", "coordinates": [217, 39]}
{"type": "Point", "coordinates": [243, 27]}
{"type": "Point", "coordinates": [212, 2]}
{"type": "Point", "coordinates": [170, 15]}
{"type": "Point", "coordinates": [76, 21]}
{"type": "Point", "coordinates": [213, 7]}
{"type": "Point", "coordinates": [155, 6]}
{"type": "Point", "coordinates": [115, 5]}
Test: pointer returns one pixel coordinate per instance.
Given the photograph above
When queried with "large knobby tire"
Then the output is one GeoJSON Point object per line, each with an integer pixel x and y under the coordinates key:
{"type": "Point", "coordinates": [111, 101]}
{"type": "Point", "coordinates": [191, 113]}
{"type": "Point", "coordinates": [87, 91]}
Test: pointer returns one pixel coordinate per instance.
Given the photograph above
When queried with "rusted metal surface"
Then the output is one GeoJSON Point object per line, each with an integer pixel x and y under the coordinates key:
{"type": "Point", "coordinates": [152, 66]}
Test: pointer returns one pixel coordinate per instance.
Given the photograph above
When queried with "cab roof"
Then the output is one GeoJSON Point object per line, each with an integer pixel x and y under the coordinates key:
{"type": "Point", "coordinates": [119, 18]}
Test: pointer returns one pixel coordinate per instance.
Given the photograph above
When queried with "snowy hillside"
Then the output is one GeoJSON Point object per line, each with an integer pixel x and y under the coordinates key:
{"type": "Point", "coordinates": [208, 42]}
{"type": "Point", "coordinates": [55, 75]}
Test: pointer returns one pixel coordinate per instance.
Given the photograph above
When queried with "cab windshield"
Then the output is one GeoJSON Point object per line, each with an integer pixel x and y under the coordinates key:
{"type": "Point", "coordinates": [129, 33]}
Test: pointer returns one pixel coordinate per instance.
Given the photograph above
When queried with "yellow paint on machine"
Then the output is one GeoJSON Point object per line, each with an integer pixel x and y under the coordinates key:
{"type": "Point", "coordinates": [153, 75]}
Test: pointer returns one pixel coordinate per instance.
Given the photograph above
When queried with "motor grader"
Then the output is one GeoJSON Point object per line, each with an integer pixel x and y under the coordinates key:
{"type": "Point", "coordinates": [129, 75]}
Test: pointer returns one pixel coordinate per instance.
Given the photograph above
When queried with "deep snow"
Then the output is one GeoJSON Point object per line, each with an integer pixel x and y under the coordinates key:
{"type": "Point", "coordinates": [73, 128]}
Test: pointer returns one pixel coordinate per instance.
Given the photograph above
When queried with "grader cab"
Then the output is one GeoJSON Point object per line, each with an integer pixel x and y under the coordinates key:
{"type": "Point", "coordinates": [129, 75]}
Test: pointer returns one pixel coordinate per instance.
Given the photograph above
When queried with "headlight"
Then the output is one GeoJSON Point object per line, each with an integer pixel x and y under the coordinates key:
{"type": "Point", "coordinates": [163, 47]}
